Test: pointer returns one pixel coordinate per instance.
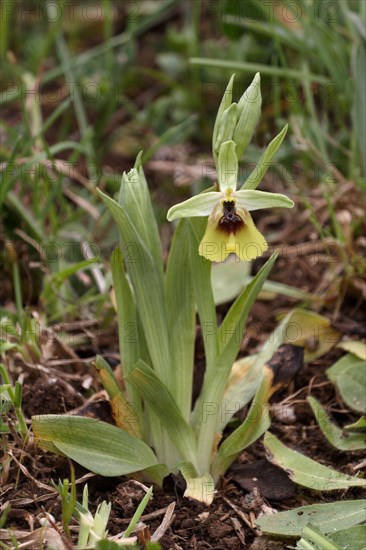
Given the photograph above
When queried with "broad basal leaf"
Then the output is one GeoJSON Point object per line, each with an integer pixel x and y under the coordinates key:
{"type": "Point", "coordinates": [349, 375]}
{"type": "Point", "coordinates": [353, 538]}
{"type": "Point", "coordinates": [305, 471]}
{"type": "Point", "coordinates": [336, 437]}
{"type": "Point", "coordinates": [329, 517]}
{"type": "Point", "coordinates": [98, 446]}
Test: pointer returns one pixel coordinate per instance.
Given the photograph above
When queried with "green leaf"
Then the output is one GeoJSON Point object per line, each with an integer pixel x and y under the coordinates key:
{"type": "Point", "coordinates": [135, 198]}
{"type": "Point", "coordinates": [313, 539]}
{"type": "Point", "coordinates": [227, 166]}
{"type": "Point", "coordinates": [353, 538]}
{"type": "Point", "coordinates": [249, 111]}
{"type": "Point", "coordinates": [132, 344]}
{"type": "Point", "coordinates": [201, 276]}
{"type": "Point", "coordinates": [255, 424]}
{"type": "Point", "coordinates": [145, 275]}
{"type": "Point", "coordinates": [330, 517]}
{"type": "Point", "coordinates": [225, 104]}
{"type": "Point", "coordinates": [246, 373]}
{"type": "Point", "coordinates": [15, 204]}
{"type": "Point", "coordinates": [137, 515]}
{"type": "Point", "coordinates": [107, 544]}
{"type": "Point", "coordinates": [335, 435]}
{"type": "Point", "coordinates": [264, 162]}
{"type": "Point", "coordinates": [128, 336]}
{"type": "Point", "coordinates": [201, 488]}
{"type": "Point", "coordinates": [355, 347]}
{"type": "Point", "coordinates": [357, 427]}
{"type": "Point", "coordinates": [209, 405]}
{"type": "Point", "coordinates": [160, 400]}
{"type": "Point", "coordinates": [61, 276]}
{"type": "Point", "coordinates": [181, 315]}
{"type": "Point", "coordinates": [305, 471]}
{"type": "Point", "coordinates": [228, 279]}
{"type": "Point", "coordinates": [125, 413]}
{"type": "Point", "coordinates": [146, 206]}
{"type": "Point", "coordinates": [98, 446]}
{"type": "Point", "coordinates": [231, 329]}
{"type": "Point", "coordinates": [349, 375]}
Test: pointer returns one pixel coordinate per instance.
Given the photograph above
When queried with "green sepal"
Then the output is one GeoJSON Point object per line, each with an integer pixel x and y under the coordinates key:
{"type": "Point", "coordinates": [255, 200]}
{"type": "Point", "coordinates": [197, 206]}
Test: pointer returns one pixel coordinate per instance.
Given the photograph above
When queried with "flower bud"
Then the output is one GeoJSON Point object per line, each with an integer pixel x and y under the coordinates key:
{"type": "Point", "coordinates": [249, 110]}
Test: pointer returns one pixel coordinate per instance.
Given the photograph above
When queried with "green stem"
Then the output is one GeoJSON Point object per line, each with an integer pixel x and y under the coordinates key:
{"type": "Point", "coordinates": [17, 290]}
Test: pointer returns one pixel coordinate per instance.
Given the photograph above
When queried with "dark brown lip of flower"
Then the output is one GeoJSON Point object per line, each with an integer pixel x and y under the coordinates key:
{"type": "Point", "coordinates": [230, 221]}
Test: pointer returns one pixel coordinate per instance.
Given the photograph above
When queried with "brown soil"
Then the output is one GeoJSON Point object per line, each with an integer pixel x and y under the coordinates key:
{"type": "Point", "coordinates": [228, 522]}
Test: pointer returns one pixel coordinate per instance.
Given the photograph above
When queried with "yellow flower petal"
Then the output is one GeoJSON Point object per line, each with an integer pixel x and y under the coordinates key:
{"type": "Point", "coordinates": [231, 230]}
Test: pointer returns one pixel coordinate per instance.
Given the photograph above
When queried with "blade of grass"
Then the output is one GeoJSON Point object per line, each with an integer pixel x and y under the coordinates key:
{"type": "Point", "coordinates": [149, 22]}
{"type": "Point", "coordinates": [85, 129]}
{"type": "Point", "coordinates": [171, 136]}
{"type": "Point", "coordinates": [256, 67]}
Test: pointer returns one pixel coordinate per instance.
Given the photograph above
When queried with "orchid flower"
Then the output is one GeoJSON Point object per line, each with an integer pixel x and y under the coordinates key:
{"type": "Point", "coordinates": [230, 228]}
